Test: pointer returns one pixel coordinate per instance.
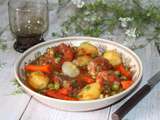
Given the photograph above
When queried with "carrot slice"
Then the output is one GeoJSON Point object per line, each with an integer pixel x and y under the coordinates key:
{"type": "Point", "coordinates": [87, 79]}
{"type": "Point", "coordinates": [43, 68]}
{"type": "Point", "coordinates": [126, 84]}
{"type": "Point", "coordinates": [57, 95]}
{"type": "Point", "coordinates": [64, 91]}
{"type": "Point", "coordinates": [123, 71]}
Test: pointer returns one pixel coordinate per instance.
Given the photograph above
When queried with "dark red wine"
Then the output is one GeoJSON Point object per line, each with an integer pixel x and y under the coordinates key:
{"type": "Point", "coordinates": [26, 41]}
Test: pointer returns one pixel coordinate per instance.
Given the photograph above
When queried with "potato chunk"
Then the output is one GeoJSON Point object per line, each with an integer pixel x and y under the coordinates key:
{"type": "Point", "coordinates": [87, 49]}
{"type": "Point", "coordinates": [90, 91]}
{"type": "Point", "coordinates": [113, 57]}
{"type": "Point", "coordinates": [82, 60]}
{"type": "Point", "coordinates": [38, 80]}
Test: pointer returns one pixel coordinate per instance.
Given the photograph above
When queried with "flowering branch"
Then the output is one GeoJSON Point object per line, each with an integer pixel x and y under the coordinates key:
{"type": "Point", "coordinates": [99, 17]}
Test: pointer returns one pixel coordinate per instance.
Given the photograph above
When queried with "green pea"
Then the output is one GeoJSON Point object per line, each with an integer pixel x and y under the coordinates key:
{"type": "Point", "coordinates": [54, 86]}
{"type": "Point", "coordinates": [50, 85]}
{"type": "Point", "coordinates": [115, 86]}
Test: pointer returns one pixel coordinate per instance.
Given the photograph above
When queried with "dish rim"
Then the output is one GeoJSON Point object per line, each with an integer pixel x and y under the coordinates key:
{"type": "Point", "coordinates": [26, 88]}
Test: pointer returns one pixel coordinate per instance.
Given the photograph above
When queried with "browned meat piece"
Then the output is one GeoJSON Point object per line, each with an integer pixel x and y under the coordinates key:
{"type": "Point", "coordinates": [97, 65]}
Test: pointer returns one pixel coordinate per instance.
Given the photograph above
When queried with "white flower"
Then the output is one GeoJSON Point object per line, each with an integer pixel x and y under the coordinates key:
{"type": "Point", "coordinates": [130, 38]}
{"type": "Point", "coordinates": [93, 18]}
{"type": "Point", "coordinates": [86, 12]}
{"type": "Point", "coordinates": [124, 21]}
{"type": "Point", "coordinates": [86, 19]}
{"type": "Point", "coordinates": [131, 32]}
{"type": "Point", "coordinates": [127, 19]}
{"type": "Point", "coordinates": [78, 3]}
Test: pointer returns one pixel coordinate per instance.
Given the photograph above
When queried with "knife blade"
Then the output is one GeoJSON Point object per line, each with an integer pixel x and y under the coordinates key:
{"type": "Point", "coordinates": [141, 93]}
{"type": "Point", "coordinates": [154, 80]}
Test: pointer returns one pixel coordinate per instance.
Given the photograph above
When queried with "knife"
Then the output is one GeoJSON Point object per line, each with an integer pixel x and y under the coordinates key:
{"type": "Point", "coordinates": [127, 106]}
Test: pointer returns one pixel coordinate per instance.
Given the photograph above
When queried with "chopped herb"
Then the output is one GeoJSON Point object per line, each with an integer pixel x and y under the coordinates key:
{"type": "Point", "coordinates": [117, 73]}
{"type": "Point", "coordinates": [74, 83]}
{"type": "Point", "coordinates": [87, 87]}
{"type": "Point", "coordinates": [77, 96]}
{"type": "Point", "coordinates": [57, 57]}
{"type": "Point", "coordinates": [74, 95]}
{"type": "Point", "coordinates": [107, 88]}
{"type": "Point", "coordinates": [127, 68]}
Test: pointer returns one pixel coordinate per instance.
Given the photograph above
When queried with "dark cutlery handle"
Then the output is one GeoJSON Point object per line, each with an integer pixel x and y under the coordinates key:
{"type": "Point", "coordinates": [127, 106]}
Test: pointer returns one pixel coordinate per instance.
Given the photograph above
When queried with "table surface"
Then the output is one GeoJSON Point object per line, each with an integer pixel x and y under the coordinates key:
{"type": "Point", "coordinates": [25, 107]}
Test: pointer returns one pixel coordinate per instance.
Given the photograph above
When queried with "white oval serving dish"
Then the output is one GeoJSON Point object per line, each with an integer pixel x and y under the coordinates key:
{"type": "Point", "coordinates": [128, 55]}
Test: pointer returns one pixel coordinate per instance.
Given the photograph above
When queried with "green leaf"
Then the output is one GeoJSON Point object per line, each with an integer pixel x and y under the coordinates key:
{"type": "Point", "coordinates": [18, 89]}
{"type": "Point", "coordinates": [3, 45]}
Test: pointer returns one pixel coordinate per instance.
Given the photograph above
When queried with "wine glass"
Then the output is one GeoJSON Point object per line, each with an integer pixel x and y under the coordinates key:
{"type": "Point", "coordinates": [28, 21]}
